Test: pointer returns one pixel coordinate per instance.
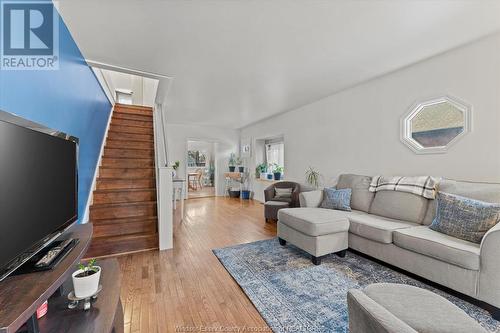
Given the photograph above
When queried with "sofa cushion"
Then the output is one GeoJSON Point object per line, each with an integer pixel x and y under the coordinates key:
{"type": "Point", "coordinates": [421, 309]}
{"type": "Point", "coordinates": [279, 203]}
{"type": "Point", "coordinates": [439, 246]}
{"type": "Point", "coordinates": [465, 218]}
{"type": "Point", "coordinates": [314, 221]}
{"type": "Point", "coordinates": [361, 198]}
{"type": "Point", "coordinates": [489, 192]}
{"type": "Point", "coordinates": [375, 227]}
{"type": "Point", "coordinates": [400, 206]}
{"type": "Point", "coordinates": [337, 199]}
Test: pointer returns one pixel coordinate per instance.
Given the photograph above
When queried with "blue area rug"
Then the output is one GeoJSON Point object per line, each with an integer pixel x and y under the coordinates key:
{"type": "Point", "coordinates": [293, 295]}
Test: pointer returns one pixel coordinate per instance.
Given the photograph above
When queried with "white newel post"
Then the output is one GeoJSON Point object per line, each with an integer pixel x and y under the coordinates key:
{"type": "Point", "coordinates": [165, 209]}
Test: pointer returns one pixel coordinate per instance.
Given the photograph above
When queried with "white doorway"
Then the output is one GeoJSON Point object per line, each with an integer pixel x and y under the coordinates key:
{"type": "Point", "coordinates": [201, 169]}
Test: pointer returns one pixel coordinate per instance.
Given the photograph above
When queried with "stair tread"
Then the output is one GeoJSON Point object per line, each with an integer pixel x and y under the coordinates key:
{"type": "Point", "coordinates": [126, 237]}
{"type": "Point", "coordinates": [114, 190]}
{"type": "Point", "coordinates": [125, 220]}
{"type": "Point", "coordinates": [131, 106]}
{"type": "Point", "coordinates": [124, 168]}
{"type": "Point", "coordinates": [113, 130]}
{"type": "Point", "coordinates": [125, 142]}
{"type": "Point", "coordinates": [128, 158]}
{"type": "Point", "coordinates": [127, 148]}
{"type": "Point", "coordinates": [132, 125]}
{"type": "Point", "coordinates": [121, 204]}
{"type": "Point", "coordinates": [127, 178]}
{"type": "Point", "coordinates": [133, 116]}
{"type": "Point", "coordinates": [122, 115]}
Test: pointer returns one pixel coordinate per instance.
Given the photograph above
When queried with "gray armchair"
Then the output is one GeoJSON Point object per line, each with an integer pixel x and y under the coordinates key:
{"type": "Point", "coordinates": [273, 204]}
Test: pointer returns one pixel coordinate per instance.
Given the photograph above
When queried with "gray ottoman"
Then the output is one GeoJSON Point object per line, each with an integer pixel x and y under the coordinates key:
{"type": "Point", "coordinates": [398, 308]}
{"type": "Point", "coordinates": [317, 231]}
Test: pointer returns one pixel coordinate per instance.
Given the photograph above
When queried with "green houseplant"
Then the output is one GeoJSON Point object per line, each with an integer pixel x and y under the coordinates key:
{"type": "Point", "coordinates": [175, 166]}
{"type": "Point", "coordinates": [260, 169]}
{"type": "Point", "coordinates": [232, 162]}
{"type": "Point", "coordinates": [86, 279]}
{"type": "Point", "coordinates": [277, 171]}
{"type": "Point", "coordinates": [239, 163]}
{"type": "Point", "coordinates": [313, 177]}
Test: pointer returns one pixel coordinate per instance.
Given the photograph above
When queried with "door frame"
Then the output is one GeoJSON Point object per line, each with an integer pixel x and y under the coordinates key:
{"type": "Point", "coordinates": [215, 144]}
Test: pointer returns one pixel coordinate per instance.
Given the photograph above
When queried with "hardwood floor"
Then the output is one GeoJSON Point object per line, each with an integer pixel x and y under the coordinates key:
{"type": "Point", "coordinates": [186, 289]}
{"type": "Point", "coordinates": [207, 191]}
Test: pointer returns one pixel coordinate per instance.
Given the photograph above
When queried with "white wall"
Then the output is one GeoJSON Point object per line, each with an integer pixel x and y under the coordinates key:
{"type": "Point", "coordinates": [227, 142]}
{"type": "Point", "coordinates": [357, 130]}
{"type": "Point", "coordinates": [143, 89]}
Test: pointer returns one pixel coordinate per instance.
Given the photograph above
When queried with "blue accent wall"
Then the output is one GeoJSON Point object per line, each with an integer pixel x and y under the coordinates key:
{"type": "Point", "coordinates": [69, 99]}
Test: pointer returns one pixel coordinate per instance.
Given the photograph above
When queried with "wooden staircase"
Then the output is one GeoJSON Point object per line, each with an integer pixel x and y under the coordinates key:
{"type": "Point", "coordinates": [123, 210]}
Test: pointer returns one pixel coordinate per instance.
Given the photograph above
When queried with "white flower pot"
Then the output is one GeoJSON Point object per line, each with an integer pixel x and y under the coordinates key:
{"type": "Point", "coordinates": [86, 286]}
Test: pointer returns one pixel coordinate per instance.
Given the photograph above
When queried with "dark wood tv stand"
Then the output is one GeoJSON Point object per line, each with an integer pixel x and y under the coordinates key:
{"type": "Point", "coordinates": [21, 295]}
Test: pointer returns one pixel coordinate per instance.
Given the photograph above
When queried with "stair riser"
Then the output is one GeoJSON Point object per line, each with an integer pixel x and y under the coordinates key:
{"type": "Point", "coordinates": [127, 163]}
{"type": "Point", "coordinates": [130, 122]}
{"type": "Point", "coordinates": [128, 153]}
{"type": "Point", "coordinates": [126, 173]}
{"type": "Point", "coordinates": [108, 184]}
{"type": "Point", "coordinates": [97, 213]}
{"type": "Point", "coordinates": [109, 246]}
{"type": "Point", "coordinates": [125, 110]}
{"type": "Point", "coordinates": [131, 129]}
{"type": "Point", "coordinates": [129, 136]}
{"type": "Point", "coordinates": [126, 196]}
{"type": "Point", "coordinates": [129, 116]}
{"type": "Point", "coordinates": [123, 228]}
{"type": "Point", "coordinates": [128, 144]}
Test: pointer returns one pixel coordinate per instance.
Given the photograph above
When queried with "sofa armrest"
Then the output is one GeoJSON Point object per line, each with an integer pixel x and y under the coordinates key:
{"type": "Point", "coordinates": [269, 193]}
{"type": "Point", "coordinates": [367, 316]}
{"type": "Point", "coordinates": [311, 198]}
{"type": "Point", "coordinates": [489, 273]}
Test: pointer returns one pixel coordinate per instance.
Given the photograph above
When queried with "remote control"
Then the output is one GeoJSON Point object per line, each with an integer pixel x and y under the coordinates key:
{"type": "Point", "coordinates": [47, 259]}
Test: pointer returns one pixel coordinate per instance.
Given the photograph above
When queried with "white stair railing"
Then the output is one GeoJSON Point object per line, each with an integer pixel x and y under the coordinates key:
{"type": "Point", "coordinates": [164, 185]}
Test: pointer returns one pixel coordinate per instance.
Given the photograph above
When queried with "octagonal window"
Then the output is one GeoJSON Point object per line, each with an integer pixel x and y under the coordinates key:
{"type": "Point", "coordinates": [432, 126]}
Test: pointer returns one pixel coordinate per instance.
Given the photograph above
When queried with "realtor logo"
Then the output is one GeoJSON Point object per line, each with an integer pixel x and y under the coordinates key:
{"type": "Point", "coordinates": [29, 36]}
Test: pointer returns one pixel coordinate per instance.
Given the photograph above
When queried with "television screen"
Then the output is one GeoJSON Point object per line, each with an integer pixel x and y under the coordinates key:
{"type": "Point", "coordinates": [38, 189]}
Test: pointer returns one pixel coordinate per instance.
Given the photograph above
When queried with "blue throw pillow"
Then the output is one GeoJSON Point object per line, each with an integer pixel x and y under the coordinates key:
{"type": "Point", "coordinates": [337, 199]}
{"type": "Point", "coordinates": [464, 218]}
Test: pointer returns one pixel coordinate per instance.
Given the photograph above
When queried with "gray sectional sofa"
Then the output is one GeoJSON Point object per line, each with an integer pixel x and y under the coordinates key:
{"type": "Point", "coordinates": [393, 227]}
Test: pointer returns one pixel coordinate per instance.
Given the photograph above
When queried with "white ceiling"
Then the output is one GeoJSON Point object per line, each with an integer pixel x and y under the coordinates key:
{"type": "Point", "coordinates": [236, 62]}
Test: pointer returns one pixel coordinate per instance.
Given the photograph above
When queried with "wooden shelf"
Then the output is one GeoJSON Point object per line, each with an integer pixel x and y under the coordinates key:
{"type": "Point", "coordinates": [21, 295]}
{"type": "Point", "coordinates": [105, 314]}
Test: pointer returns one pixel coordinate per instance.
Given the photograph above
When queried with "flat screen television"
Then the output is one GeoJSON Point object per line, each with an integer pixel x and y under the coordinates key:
{"type": "Point", "coordinates": [38, 188]}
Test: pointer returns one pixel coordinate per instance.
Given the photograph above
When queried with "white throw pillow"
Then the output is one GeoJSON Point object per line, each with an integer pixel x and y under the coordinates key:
{"type": "Point", "coordinates": [283, 192]}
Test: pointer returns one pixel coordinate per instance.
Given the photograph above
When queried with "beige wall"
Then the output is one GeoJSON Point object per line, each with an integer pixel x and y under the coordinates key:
{"type": "Point", "coordinates": [357, 130]}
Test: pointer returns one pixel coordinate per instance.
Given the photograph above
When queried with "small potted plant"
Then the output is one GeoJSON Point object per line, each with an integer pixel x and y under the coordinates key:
{"type": "Point", "coordinates": [239, 163]}
{"type": "Point", "coordinates": [86, 279]}
{"type": "Point", "coordinates": [232, 162]}
{"type": "Point", "coordinates": [277, 171]}
{"type": "Point", "coordinates": [261, 170]}
{"type": "Point", "coordinates": [245, 186]}
{"type": "Point", "coordinates": [175, 166]}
